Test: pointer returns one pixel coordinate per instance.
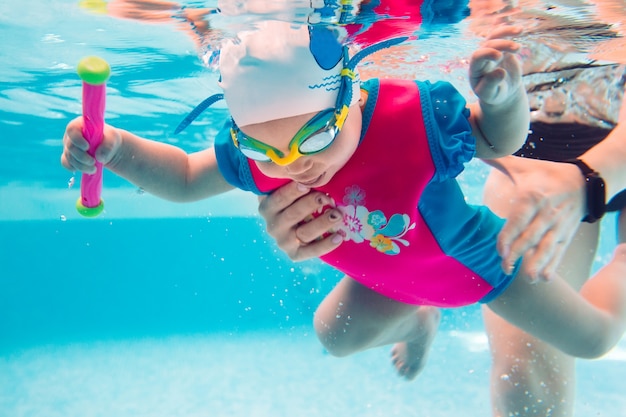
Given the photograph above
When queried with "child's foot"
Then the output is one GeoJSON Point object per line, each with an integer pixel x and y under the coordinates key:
{"type": "Point", "coordinates": [410, 357]}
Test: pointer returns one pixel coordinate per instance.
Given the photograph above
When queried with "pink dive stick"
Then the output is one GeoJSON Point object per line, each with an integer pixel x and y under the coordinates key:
{"type": "Point", "coordinates": [94, 72]}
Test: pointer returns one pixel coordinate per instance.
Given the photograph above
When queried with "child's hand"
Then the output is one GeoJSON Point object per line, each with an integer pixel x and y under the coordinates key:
{"type": "Point", "coordinates": [495, 72]}
{"type": "Point", "coordinates": [75, 146]}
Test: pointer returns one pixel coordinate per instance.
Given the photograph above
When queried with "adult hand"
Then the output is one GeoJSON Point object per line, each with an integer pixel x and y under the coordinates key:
{"type": "Point", "coordinates": [545, 209]}
{"type": "Point", "coordinates": [288, 213]}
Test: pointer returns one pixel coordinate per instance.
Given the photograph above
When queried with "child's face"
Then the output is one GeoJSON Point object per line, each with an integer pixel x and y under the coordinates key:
{"type": "Point", "coordinates": [311, 170]}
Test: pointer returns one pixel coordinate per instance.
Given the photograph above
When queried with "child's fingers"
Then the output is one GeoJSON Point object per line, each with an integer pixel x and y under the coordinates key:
{"type": "Point", "coordinates": [78, 161]}
{"type": "Point", "coordinates": [73, 135]}
{"type": "Point", "coordinates": [75, 153]}
{"type": "Point", "coordinates": [490, 87]}
{"type": "Point", "coordinates": [483, 61]}
{"type": "Point", "coordinates": [494, 75]}
{"type": "Point", "coordinates": [75, 146]}
{"type": "Point", "coordinates": [502, 45]}
{"type": "Point", "coordinates": [505, 31]}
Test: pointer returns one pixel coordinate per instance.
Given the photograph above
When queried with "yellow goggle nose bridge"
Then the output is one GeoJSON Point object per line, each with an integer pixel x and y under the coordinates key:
{"type": "Point", "coordinates": [294, 153]}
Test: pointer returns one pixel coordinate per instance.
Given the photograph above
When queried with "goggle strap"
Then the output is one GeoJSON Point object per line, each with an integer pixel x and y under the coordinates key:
{"type": "Point", "coordinates": [348, 72]}
{"type": "Point", "coordinates": [197, 111]}
{"type": "Point", "coordinates": [341, 116]}
{"type": "Point", "coordinates": [233, 136]}
{"type": "Point", "coordinates": [346, 10]}
{"type": "Point", "coordinates": [358, 57]}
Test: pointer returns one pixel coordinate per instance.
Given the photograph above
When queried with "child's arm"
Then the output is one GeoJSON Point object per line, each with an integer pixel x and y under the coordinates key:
{"type": "Point", "coordinates": [501, 117]}
{"type": "Point", "coordinates": [160, 169]}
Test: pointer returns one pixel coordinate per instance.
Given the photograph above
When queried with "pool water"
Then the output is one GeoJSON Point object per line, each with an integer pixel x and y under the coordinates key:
{"type": "Point", "coordinates": [161, 317]}
{"type": "Point", "coordinates": [161, 309]}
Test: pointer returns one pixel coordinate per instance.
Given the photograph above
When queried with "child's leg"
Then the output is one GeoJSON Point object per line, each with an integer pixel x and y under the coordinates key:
{"type": "Point", "coordinates": [353, 318]}
{"type": "Point", "coordinates": [585, 326]}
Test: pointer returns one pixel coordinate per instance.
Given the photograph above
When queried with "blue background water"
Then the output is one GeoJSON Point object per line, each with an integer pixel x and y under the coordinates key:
{"type": "Point", "coordinates": [161, 309]}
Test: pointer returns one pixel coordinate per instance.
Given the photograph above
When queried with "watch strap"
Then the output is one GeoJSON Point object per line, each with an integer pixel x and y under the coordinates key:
{"type": "Point", "coordinates": [594, 191]}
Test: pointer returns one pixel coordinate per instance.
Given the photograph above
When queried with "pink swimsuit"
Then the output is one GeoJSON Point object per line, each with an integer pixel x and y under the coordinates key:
{"type": "Point", "coordinates": [408, 232]}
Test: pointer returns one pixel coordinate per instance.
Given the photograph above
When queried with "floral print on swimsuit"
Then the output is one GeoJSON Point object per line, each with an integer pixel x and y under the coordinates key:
{"type": "Point", "coordinates": [362, 225]}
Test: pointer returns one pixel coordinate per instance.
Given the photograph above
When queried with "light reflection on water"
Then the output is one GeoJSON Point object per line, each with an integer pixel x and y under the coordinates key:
{"type": "Point", "coordinates": [158, 61]}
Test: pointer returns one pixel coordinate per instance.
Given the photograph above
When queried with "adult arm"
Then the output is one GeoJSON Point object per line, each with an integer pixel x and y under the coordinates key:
{"type": "Point", "coordinates": [551, 201]}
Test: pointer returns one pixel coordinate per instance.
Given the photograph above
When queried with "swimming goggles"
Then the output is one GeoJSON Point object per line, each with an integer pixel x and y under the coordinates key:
{"type": "Point", "coordinates": [315, 136]}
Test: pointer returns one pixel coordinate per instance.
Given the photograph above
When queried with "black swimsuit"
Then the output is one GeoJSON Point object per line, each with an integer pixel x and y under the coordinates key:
{"type": "Point", "coordinates": [561, 141]}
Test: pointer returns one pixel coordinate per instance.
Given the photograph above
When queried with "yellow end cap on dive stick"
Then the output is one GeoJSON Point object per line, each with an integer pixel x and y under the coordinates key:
{"type": "Point", "coordinates": [93, 70]}
{"type": "Point", "coordinates": [89, 211]}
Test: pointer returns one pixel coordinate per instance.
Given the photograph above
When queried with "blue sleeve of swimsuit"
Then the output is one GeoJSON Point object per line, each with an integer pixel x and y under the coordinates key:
{"type": "Point", "coordinates": [446, 118]}
{"type": "Point", "coordinates": [232, 164]}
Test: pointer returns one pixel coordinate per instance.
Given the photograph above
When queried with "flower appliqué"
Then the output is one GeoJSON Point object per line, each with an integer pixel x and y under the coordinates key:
{"type": "Point", "coordinates": [360, 225]}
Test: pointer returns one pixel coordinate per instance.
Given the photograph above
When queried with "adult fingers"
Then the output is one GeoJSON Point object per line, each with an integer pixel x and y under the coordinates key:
{"type": "Point", "coordinates": [285, 211]}
{"type": "Point", "coordinates": [540, 262]}
{"type": "Point", "coordinates": [516, 235]}
{"type": "Point", "coordinates": [281, 199]}
{"type": "Point", "coordinates": [317, 248]}
{"type": "Point", "coordinates": [552, 245]}
{"type": "Point", "coordinates": [546, 226]}
{"type": "Point", "coordinates": [310, 239]}
{"type": "Point", "coordinates": [311, 230]}
{"type": "Point", "coordinates": [295, 218]}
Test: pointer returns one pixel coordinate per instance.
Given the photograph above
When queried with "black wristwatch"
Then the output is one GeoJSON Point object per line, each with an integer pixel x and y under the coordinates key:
{"type": "Point", "coordinates": [596, 191]}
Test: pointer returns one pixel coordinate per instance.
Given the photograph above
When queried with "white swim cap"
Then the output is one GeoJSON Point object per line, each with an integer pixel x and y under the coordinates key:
{"type": "Point", "coordinates": [271, 73]}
